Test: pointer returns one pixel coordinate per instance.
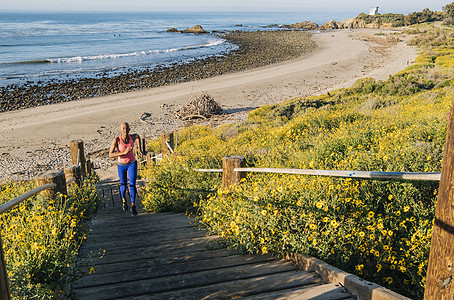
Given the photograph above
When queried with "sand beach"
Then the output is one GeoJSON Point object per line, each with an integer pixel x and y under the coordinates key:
{"type": "Point", "coordinates": [36, 139]}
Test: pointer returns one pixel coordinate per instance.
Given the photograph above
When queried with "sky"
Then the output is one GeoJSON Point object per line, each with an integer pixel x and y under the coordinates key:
{"type": "Point", "coordinates": [386, 6]}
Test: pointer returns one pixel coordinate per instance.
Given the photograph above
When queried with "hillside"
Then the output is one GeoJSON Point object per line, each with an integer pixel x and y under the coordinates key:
{"type": "Point", "coordinates": [376, 229]}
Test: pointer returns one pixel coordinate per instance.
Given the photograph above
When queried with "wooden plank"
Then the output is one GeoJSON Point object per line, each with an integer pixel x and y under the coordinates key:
{"type": "Point", "coordinates": [241, 288]}
{"type": "Point", "coordinates": [134, 274]}
{"type": "Point", "coordinates": [126, 262]}
{"type": "Point", "coordinates": [172, 247]}
{"type": "Point", "coordinates": [121, 219]}
{"type": "Point", "coordinates": [435, 176]}
{"type": "Point", "coordinates": [128, 241]}
{"type": "Point", "coordinates": [145, 230]}
{"type": "Point", "coordinates": [330, 291]}
{"type": "Point", "coordinates": [190, 280]}
{"type": "Point", "coordinates": [439, 278]}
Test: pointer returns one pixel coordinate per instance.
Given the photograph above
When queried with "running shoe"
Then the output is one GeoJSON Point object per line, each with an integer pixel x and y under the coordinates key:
{"type": "Point", "coordinates": [133, 210]}
{"type": "Point", "coordinates": [125, 206]}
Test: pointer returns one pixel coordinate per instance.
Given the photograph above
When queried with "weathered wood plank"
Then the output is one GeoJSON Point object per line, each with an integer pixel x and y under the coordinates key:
{"type": "Point", "coordinates": [124, 222]}
{"type": "Point", "coordinates": [241, 288]}
{"type": "Point", "coordinates": [126, 228]}
{"type": "Point", "coordinates": [238, 281]}
{"type": "Point", "coordinates": [136, 241]}
{"type": "Point", "coordinates": [163, 260]}
{"type": "Point", "coordinates": [98, 279]}
{"type": "Point", "coordinates": [330, 291]}
{"type": "Point", "coordinates": [166, 248]}
{"type": "Point", "coordinates": [135, 235]}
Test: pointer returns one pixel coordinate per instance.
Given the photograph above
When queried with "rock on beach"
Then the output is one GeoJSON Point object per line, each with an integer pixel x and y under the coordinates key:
{"type": "Point", "coordinates": [308, 25]}
{"type": "Point", "coordinates": [331, 25]}
{"type": "Point", "coordinates": [197, 29]}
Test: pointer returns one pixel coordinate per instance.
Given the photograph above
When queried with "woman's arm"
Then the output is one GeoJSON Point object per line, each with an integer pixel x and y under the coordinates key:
{"type": "Point", "coordinates": [114, 146]}
{"type": "Point", "coordinates": [136, 139]}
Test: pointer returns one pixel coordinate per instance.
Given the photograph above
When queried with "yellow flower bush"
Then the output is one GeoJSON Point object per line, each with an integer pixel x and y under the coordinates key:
{"type": "Point", "coordinates": [379, 230]}
{"type": "Point", "coordinates": [41, 238]}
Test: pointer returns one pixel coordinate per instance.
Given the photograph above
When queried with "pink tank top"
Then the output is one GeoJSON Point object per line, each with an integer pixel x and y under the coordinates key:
{"type": "Point", "coordinates": [128, 158]}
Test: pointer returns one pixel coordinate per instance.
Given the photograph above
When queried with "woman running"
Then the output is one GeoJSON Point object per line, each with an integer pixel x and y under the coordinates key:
{"type": "Point", "coordinates": [122, 147]}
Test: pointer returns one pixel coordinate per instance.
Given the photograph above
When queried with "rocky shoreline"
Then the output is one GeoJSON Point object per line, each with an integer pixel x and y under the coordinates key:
{"type": "Point", "coordinates": [255, 49]}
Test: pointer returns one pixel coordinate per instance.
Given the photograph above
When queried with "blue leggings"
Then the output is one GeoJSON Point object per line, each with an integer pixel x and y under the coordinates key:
{"type": "Point", "coordinates": [129, 171]}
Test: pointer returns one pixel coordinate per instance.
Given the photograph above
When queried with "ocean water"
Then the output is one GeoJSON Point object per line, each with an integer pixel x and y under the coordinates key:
{"type": "Point", "coordinates": [37, 47]}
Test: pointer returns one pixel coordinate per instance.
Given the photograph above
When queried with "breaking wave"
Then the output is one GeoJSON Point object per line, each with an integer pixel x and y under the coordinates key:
{"type": "Point", "coordinates": [79, 59]}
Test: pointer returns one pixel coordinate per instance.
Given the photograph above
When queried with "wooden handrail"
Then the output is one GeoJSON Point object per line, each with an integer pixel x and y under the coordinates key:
{"type": "Point", "coordinates": [435, 176]}
{"type": "Point", "coordinates": [209, 170]}
{"type": "Point", "coordinates": [423, 176]}
{"type": "Point", "coordinates": [74, 145]}
{"type": "Point", "coordinates": [8, 205]}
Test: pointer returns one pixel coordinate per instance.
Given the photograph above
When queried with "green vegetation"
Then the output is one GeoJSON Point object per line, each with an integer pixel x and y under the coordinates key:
{"type": "Point", "coordinates": [379, 230]}
{"type": "Point", "coordinates": [398, 20]}
{"type": "Point", "coordinates": [41, 238]}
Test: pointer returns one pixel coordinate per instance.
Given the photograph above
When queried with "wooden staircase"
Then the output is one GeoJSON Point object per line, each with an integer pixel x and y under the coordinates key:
{"type": "Point", "coordinates": [162, 256]}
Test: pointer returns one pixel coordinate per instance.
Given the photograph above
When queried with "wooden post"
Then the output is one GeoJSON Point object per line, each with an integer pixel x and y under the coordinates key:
{"type": "Point", "coordinates": [73, 171]}
{"type": "Point", "coordinates": [57, 177]}
{"type": "Point", "coordinates": [77, 154]}
{"type": "Point", "coordinates": [4, 285]}
{"type": "Point", "coordinates": [229, 163]}
{"type": "Point", "coordinates": [166, 138]}
{"type": "Point", "coordinates": [89, 166]}
{"type": "Point", "coordinates": [144, 150]}
{"type": "Point", "coordinates": [440, 271]}
{"type": "Point", "coordinates": [150, 160]}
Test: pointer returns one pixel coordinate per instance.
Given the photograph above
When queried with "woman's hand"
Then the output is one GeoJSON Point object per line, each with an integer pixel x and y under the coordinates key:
{"type": "Point", "coordinates": [129, 148]}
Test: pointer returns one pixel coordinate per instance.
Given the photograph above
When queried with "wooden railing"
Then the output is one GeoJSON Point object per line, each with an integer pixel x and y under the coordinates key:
{"type": "Point", "coordinates": [379, 175]}
{"type": "Point", "coordinates": [50, 183]}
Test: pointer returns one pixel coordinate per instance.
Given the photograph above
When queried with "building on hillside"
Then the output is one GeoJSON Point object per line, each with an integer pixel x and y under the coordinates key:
{"type": "Point", "coordinates": [373, 11]}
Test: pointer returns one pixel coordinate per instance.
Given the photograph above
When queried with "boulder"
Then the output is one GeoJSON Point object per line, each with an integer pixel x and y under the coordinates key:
{"type": "Point", "coordinates": [373, 25]}
{"type": "Point", "coordinates": [331, 25]}
{"type": "Point", "coordinates": [353, 23]}
{"type": "Point", "coordinates": [308, 25]}
{"type": "Point", "coordinates": [195, 29]}
{"type": "Point", "coordinates": [172, 30]}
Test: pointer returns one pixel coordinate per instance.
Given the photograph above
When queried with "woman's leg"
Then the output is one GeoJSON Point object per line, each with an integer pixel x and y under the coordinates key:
{"type": "Point", "coordinates": [132, 175]}
{"type": "Point", "coordinates": [122, 174]}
